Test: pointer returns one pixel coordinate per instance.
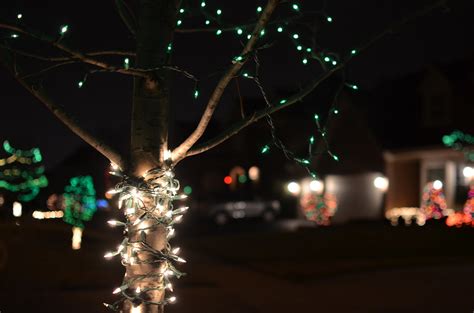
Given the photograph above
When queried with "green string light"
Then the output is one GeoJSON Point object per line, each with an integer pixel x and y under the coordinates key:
{"type": "Point", "coordinates": [239, 31]}
{"type": "Point", "coordinates": [305, 61]}
{"type": "Point", "coordinates": [219, 12]}
{"type": "Point", "coordinates": [218, 32]}
{"type": "Point", "coordinates": [265, 149]}
{"type": "Point", "coordinates": [203, 4]}
{"type": "Point", "coordinates": [353, 51]}
{"type": "Point", "coordinates": [80, 84]}
{"type": "Point", "coordinates": [63, 29]}
{"type": "Point", "coordinates": [14, 36]}
{"type": "Point", "coordinates": [299, 48]}
{"type": "Point", "coordinates": [329, 19]}
{"type": "Point", "coordinates": [179, 22]}
{"type": "Point", "coordinates": [181, 11]}
{"type": "Point", "coordinates": [295, 7]}
{"type": "Point", "coordinates": [208, 22]}
{"type": "Point", "coordinates": [282, 101]}
{"type": "Point", "coordinates": [259, 9]}
{"type": "Point", "coordinates": [19, 16]}
{"type": "Point", "coordinates": [126, 63]}
{"type": "Point", "coordinates": [279, 29]}
{"type": "Point", "coordinates": [196, 94]}
{"type": "Point", "coordinates": [296, 36]}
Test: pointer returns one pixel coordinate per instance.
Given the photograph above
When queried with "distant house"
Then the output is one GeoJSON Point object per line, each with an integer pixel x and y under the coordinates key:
{"type": "Point", "coordinates": [418, 111]}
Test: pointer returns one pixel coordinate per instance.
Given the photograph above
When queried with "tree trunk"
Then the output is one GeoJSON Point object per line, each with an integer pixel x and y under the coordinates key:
{"type": "Point", "coordinates": [149, 133]}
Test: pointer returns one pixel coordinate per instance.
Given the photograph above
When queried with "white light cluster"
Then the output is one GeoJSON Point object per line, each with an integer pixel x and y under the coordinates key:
{"type": "Point", "coordinates": [148, 206]}
{"type": "Point", "coordinates": [40, 215]}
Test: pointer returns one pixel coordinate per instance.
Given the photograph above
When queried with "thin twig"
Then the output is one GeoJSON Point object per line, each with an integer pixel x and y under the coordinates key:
{"type": "Point", "coordinates": [297, 97]}
{"type": "Point", "coordinates": [214, 100]}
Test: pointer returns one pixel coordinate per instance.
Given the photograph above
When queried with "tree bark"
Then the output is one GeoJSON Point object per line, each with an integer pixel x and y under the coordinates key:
{"type": "Point", "coordinates": [149, 129]}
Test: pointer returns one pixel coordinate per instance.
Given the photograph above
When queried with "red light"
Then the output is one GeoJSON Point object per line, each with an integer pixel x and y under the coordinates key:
{"type": "Point", "coordinates": [228, 180]}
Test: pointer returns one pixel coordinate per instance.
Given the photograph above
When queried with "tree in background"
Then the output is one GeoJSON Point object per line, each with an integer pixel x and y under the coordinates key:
{"type": "Point", "coordinates": [433, 203]}
{"type": "Point", "coordinates": [79, 205]}
{"type": "Point", "coordinates": [22, 172]}
{"type": "Point", "coordinates": [148, 189]}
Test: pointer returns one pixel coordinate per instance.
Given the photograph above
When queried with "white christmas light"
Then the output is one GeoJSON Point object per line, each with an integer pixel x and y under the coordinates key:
{"type": "Point", "coordinates": [437, 184]}
{"type": "Point", "coordinates": [17, 209]}
{"type": "Point", "coordinates": [148, 199]}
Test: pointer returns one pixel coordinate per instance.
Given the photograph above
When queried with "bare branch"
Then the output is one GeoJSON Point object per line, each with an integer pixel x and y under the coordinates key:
{"type": "Point", "coordinates": [275, 107]}
{"type": "Point", "coordinates": [214, 100]}
{"type": "Point", "coordinates": [234, 27]}
{"type": "Point", "coordinates": [7, 58]}
{"type": "Point", "coordinates": [126, 15]}
{"type": "Point", "coordinates": [76, 54]}
{"type": "Point", "coordinates": [72, 124]}
{"type": "Point", "coordinates": [63, 59]}
{"type": "Point", "coordinates": [49, 68]}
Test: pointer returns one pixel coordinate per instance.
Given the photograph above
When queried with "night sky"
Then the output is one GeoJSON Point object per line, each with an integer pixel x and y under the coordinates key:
{"type": "Point", "coordinates": [103, 105]}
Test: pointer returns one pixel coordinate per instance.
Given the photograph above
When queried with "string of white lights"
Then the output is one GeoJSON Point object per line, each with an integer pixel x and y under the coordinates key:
{"type": "Point", "coordinates": [148, 207]}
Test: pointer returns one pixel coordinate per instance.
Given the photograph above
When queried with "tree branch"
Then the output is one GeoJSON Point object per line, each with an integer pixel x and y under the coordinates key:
{"type": "Point", "coordinates": [73, 125]}
{"type": "Point", "coordinates": [214, 100]}
{"type": "Point", "coordinates": [63, 116]}
{"type": "Point", "coordinates": [275, 107]}
{"type": "Point", "coordinates": [63, 59]}
{"type": "Point", "coordinates": [76, 54]}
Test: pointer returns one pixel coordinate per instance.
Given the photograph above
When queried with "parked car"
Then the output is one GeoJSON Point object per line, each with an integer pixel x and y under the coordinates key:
{"type": "Point", "coordinates": [223, 212]}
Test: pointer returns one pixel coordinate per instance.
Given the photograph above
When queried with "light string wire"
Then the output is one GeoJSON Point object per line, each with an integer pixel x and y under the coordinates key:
{"type": "Point", "coordinates": [148, 205]}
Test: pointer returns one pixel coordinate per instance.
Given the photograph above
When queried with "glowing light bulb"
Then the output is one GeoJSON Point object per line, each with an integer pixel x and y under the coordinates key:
{"type": "Point", "coordinates": [64, 29]}
{"type": "Point", "coordinates": [19, 16]}
{"type": "Point", "coordinates": [109, 255]}
{"type": "Point", "coordinates": [437, 184]}
{"type": "Point", "coordinates": [293, 187]}
{"type": "Point", "coordinates": [172, 299]}
{"type": "Point", "coordinates": [175, 250]}
{"type": "Point", "coordinates": [113, 222]}
{"type": "Point", "coordinates": [381, 183]}
{"type": "Point", "coordinates": [468, 172]}
{"type": "Point", "coordinates": [316, 186]}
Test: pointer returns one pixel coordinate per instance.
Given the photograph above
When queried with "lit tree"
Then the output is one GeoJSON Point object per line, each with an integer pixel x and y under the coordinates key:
{"type": "Point", "coordinates": [22, 172]}
{"type": "Point", "coordinates": [433, 203]}
{"type": "Point", "coordinates": [79, 201]}
{"type": "Point", "coordinates": [79, 206]}
{"type": "Point", "coordinates": [148, 186]}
